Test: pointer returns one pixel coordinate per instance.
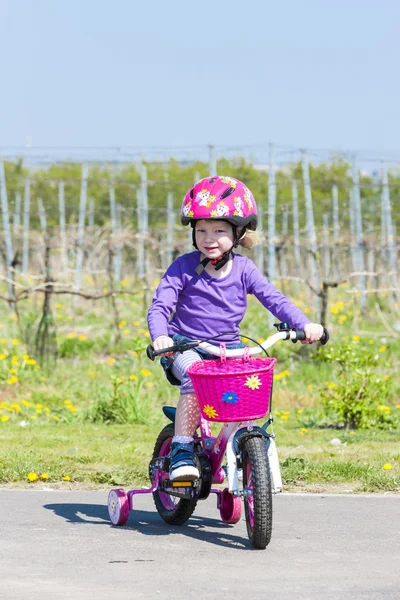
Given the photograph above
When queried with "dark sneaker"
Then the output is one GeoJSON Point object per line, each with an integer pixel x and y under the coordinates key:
{"type": "Point", "coordinates": [181, 462]}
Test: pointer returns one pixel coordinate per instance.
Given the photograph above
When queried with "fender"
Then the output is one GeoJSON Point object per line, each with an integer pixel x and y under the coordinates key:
{"type": "Point", "coordinates": [243, 434]}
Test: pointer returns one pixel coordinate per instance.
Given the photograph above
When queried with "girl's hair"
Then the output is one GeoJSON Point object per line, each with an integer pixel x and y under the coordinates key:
{"type": "Point", "coordinates": [250, 239]}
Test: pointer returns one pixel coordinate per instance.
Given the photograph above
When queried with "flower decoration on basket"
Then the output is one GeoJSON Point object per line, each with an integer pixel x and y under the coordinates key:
{"type": "Point", "coordinates": [210, 411]}
{"type": "Point", "coordinates": [253, 382]}
{"type": "Point", "coordinates": [230, 398]}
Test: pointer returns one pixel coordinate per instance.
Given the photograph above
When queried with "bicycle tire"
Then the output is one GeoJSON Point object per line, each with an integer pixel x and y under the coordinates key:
{"type": "Point", "coordinates": [258, 506]}
{"type": "Point", "coordinates": [173, 514]}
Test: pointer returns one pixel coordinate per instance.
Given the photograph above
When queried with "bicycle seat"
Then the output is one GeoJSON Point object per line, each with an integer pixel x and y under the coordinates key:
{"type": "Point", "coordinates": [170, 412]}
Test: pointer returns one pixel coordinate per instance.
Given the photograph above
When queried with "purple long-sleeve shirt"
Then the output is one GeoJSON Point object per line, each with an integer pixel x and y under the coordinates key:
{"type": "Point", "coordinates": [203, 306]}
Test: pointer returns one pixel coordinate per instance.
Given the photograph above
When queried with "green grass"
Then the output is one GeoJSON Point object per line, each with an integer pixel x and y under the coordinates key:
{"type": "Point", "coordinates": [94, 415]}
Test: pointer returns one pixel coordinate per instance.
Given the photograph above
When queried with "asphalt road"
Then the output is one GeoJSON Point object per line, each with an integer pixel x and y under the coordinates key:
{"type": "Point", "coordinates": [60, 545]}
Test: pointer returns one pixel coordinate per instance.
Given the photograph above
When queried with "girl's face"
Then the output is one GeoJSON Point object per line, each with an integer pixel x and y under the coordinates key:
{"type": "Point", "coordinates": [213, 237]}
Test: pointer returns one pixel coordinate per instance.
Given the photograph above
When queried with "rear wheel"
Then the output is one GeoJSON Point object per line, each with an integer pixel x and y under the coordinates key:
{"type": "Point", "coordinates": [173, 510]}
{"type": "Point", "coordinates": [258, 500]}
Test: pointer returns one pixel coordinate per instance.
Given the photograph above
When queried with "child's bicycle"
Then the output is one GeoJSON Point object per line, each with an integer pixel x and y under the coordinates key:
{"type": "Point", "coordinates": [235, 392]}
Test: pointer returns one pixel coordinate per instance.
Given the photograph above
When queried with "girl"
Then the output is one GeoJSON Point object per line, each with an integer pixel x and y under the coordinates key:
{"type": "Point", "coordinates": [205, 291]}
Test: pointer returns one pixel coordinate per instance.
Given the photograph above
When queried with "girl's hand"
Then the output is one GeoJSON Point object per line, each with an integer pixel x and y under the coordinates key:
{"type": "Point", "coordinates": [313, 332]}
{"type": "Point", "coordinates": [163, 341]}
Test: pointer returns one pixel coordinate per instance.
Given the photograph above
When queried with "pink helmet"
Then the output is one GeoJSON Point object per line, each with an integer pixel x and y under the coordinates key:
{"type": "Point", "coordinates": [220, 197]}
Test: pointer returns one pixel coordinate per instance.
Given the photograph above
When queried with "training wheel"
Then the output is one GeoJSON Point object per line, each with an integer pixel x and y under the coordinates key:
{"type": "Point", "coordinates": [230, 508]}
{"type": "Point", "coordinates": [118, 507]}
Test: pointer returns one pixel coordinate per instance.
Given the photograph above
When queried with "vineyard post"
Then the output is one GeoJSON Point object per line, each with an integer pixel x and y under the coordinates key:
{"type": "Point", "coordinates": [81, 226]}
{"type": "Point", "coordinates": [296, 229]}
{"type": "Point", "coordinates": [212, 162]}
{"type": "Point", "coordinates": [42, 216]}
{"type": "Point", "coordinates": [17, 213]}
{"type": "Point", "coordinates": [170, 228]}
{"type": "Point", "coordinates": [6, 223]}
{"type": "Point", "coordinates": [360, 237]}
{"type": "Point", "coordinates": [259, 249]}
{"type": "Point", "coordinates": [326, 246]}
{"type": "Point", "coordinates": [335, 218]}
{"type": "Point", "coordinates": [391, 243]}
{"type": "Point", "coordinates": [312, 238]}
{"type": "Point", "coordinates": [271, 222]}
{"type": "Point", "coordinates": [25, 239]}
{"type": "Point", "coordinates": [63, 239]}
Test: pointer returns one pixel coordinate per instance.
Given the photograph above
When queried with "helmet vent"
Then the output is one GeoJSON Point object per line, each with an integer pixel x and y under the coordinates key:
{"type": "Point", "coordinates": [212, 180]}
{"type": "Point", "coordinates": [191, 193]}
{"type": "Point", "coordinates": [227, 192]}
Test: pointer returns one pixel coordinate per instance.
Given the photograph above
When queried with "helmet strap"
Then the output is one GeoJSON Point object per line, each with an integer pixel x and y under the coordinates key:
{"type": "Point", "coordinates": [217, 262]}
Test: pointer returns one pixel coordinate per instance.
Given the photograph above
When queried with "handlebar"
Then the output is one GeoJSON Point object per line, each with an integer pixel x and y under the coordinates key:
{"type": "Point", "coordinates": [295, 335]}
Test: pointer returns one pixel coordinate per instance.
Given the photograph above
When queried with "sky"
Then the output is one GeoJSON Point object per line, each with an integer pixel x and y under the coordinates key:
{"type": "Point", "coordinates": [300, 74]}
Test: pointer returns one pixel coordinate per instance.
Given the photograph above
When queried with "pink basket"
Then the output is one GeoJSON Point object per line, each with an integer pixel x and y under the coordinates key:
{"type": "Point", "coordinates": [237, 389]}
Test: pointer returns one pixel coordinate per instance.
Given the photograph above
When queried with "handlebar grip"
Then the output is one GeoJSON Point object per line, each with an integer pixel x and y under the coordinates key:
{"type": "Point", "coordinates": [325, 337]}
{"type": "Point", "coordinates": [300, 336]}
{"type": "Point", "coordinates": [151, 353]}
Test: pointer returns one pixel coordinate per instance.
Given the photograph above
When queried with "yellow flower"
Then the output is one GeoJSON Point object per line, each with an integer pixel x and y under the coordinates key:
{"type": "Point", "coordinates": [82, 338]}
{"type": "Point", "coordinates": [331, 385]}
{"type": "Point", "coordinates": [15, 407]}
{"type": "Point", "coordinates": [39, 405]}
{"type": "Point", "coordinates": [14, 342]}
{"type": "Point", "coordinates": [12, 380]}
{"type": "Point", "coordinates": [31, 361]}
{"type": "Point", "coordinates": [44, 476]}
{"type": "Point", "coordinates": [71, 335]}
{"type": "Point", "coordinates": [43, 379]}
{"type": "Point", "coordinates": [56, 418]}
{"type": "Point", "coordinates": [122, 324]}
{"type": "Point", "coordinates": [303, 430]}
{"type": "Point", "coordinates": [278, 413]}
{"type": "Point", "coordinates": [91, 374]}
{"type": "Point", "coordinates": [4, 418]}
{"type": "Point", "coordinates": [125, 331]}
{"type": "Point", "coordinates": [25, 403]}
{"type": "Point", "coordinates": [67, 401]}
{"type": "Point", "coordinates": [253, 382]}
{"type": "Point", "coordinates": [66, 478]}
{"type": "Point", "coordinates": [210, 411]}
{"type": "Point", "coordinates": [382, 348]}
{"type": "Point", "coordinates": [135, 354]}
{"type": "Point", "coordinates": [136, 323]}
{"type": "Point", "coordinates": [72, 408]}
{"type": "Point", "coordinates": [387, 466]}
{"type": "Point", "coordinates": [339, 305]}
{"type": "Point", "coordinates": [133, 377]}
{"type": "Point", "coordinates": [3, 356]}
{"type": "Point", "coordinates": [355, 338]}
{"type": "Point", "coordinates": [149, 384]}
{"type": "Point", "coordinates": [309, 386]}
{"type": "Point", "coordinates": [32, 476]}
{"type": "Point", "coordinates": [284, 417]}
{"type": "Point", "coordinates": [145, 372]}
{"type": "Point", "coordinates": [334, 311]}
{"type": "Point", "coordinates": [397, 405]}
{"type": "Point", "coordinates": [111, 360]}
{"type": "Point", "coordinates": [13, 371]}
{"type": "Point", "coordinates": [3, 341]}
{"type": "Point", "coordinates": [25, 356]}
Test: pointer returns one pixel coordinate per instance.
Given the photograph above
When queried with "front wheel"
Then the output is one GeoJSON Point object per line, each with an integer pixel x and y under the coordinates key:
{"type": "Point", "coordinates": [173, 510]}
{"type": "Point", "coordinates": [258, 492]}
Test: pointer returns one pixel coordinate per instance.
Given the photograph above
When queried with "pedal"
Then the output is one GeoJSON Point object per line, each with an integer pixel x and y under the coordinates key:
{"type": "Point", "coordinates": [180, 489]}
